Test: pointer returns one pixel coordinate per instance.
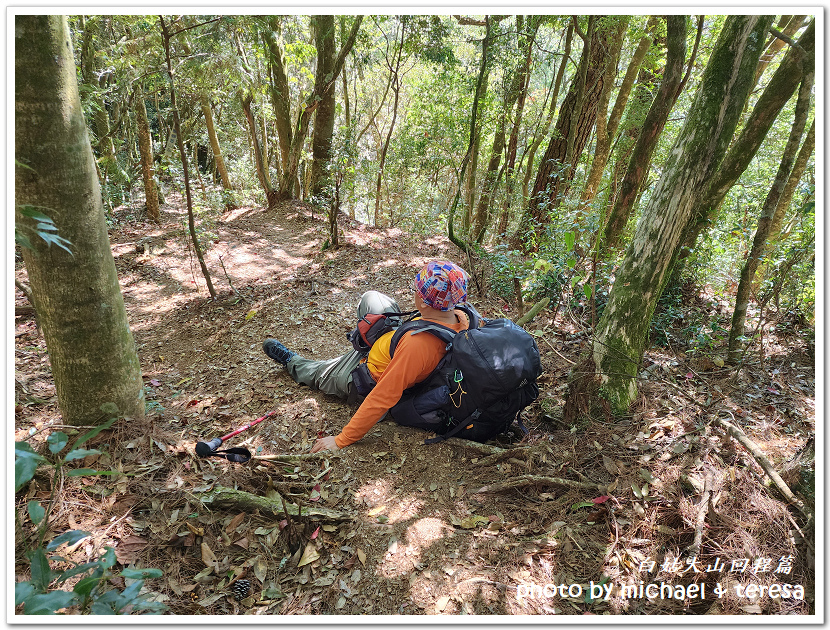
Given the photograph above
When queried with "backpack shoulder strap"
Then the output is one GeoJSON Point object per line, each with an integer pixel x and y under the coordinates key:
{"type": "Point", "coordinates": [444, 333]}
{"type": "Point", "coordinates": [472, 314]}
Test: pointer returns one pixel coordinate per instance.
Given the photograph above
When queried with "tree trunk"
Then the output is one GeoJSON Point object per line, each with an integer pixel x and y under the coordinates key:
{"type": "Point", "coordinates": [145, 147]}
{"type": "Point", "coordinates": [779, 90]}
{"type": "Point", "coordinates": [759, 242]}
{"type": "Point", "coordinates": [622, 331]}
{"type": "Point", "coordinates": [395, 82]}
{"type": "Point", "coordinates": [207, 110]}
{"type": "Point", "coordinates": [512, 90]}
{"type": "Point", "coordinates": [525, 48]}
{"type": "Point", "coordinates": [191, 224]}
{"type": "Point", "coordinates": [798, 171]}
{"type": "Point", "coordinates": [606, 131]}
{"type": "Point", "coordinates": [557, 84]}
{"type": "Point", "coordinates": [280, 95]}
{"type": "Point", "coordinates": [465, 161]}
{"type": "Point", "coordinates": [77, 296]}
{"type": "Point", "coordinates": [788, 25]}
{"type": "Point", "coordinates": [325, 114]}
{"type": "Point", "coordinates": [263, 174]}
{"type": "Point", "coordinates": [322, 84]}
{"type": "Point", "coordinates": [651, 130]}
{"type": "Point", "coordinates": [573, 127]}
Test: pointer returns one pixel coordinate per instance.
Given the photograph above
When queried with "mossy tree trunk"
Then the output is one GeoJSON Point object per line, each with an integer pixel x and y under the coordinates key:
{"type": "Point", "coordinates": [652, 129]}
{"type": "Point", "coordinates": [789, 190]}
{"type": "Point", "coordinates": [759, 241]}
{"type": "Point", "coordinates": [325, 115]}
{"type": "Point", "coordinates": [279, 92]}
{"type": "Point", "coordinates": [77, 296]}
{"type": "Point", "coordinates": [573, 127]}
{"type": "Point", "coordinates": [622, 331]}
{"type": "Point", "coordinates": [207, 110]}
{"type": "Point", "coordinates": [145, 147]}
{"type": "Point", "coordinates": [323, 83]}
{"type": "Point", "coordinates": [778, 92]}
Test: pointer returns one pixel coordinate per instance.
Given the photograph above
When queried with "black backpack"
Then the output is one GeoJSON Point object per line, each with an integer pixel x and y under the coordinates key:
{"type": "Point", "coordinates": [480, 386]}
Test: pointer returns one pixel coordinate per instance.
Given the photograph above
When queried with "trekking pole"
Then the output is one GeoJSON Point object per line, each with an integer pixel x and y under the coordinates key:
{"type": "Point", "coordinates": [237, 454]}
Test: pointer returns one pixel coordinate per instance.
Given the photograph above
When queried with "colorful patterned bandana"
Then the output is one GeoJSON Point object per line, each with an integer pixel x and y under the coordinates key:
{"type": "Point", "coordinates": [442, 285]}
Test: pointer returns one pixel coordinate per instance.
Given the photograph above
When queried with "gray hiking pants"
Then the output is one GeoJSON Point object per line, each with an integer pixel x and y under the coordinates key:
{"type": "Point", "coordinates": [334, 376]}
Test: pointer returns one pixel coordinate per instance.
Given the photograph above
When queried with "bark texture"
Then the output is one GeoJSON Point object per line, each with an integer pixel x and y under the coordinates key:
{"type": "Point", "coordinates": [779, 90]}
{"type": "Point", "coordinates": [607, 129]}
{"type": "Point", "coordinates": [324, 117]}
{"type": "Point", "coordinates": [280, 95]}
{"type": "Point", "coordinates": [573, 127]}
{"type": "Point", "coordinates": [207, 110]}
{"type": "Point", "coordinates": [622, 331]}
{"type": "Point", "coordinates": [759, 241]}
{"type": "Point", "coordinates": [145, 147]}
{"type": "Point", "coordinates": [651, 130]}
{"type": "Point", "coordinates": [77, 297]}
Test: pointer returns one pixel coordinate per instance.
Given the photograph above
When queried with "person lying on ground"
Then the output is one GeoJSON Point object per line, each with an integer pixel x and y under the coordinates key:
{"type": "Point", "coordinates": [439, 287]}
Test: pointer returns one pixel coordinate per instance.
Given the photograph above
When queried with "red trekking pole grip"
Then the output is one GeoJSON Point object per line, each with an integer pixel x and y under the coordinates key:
{"type": "Point", "coordinates": [248, 426]}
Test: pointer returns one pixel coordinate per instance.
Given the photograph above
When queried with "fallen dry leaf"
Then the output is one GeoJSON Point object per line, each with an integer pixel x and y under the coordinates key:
{"type": "Point", "coordinates": [260, 570]}
{"type": "Point", "coordinates": [196, 531]}
{"type": "Point", "coordinates": [309, 555]}
{"type": "Point", "coordinates": [208, 557]}
{"type": "Point", "coordinates": [361, 555]}
{"type": "Point", "coordinates": [129, 548]}
{"type": "Point", "coordinates": [235, 522]}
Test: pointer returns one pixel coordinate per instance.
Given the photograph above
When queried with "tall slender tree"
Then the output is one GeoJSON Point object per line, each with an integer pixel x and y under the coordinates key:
{"type": "Point", "coordinates": [607, 129]}
{"type": "Point", "coordinates": [191, 222]}
{"type": "Point", "coordinates": [779, 90]}
{"type": "Point", "coordinates": [651, 130]}
{"type": "Point", "coordinates": [759, 241]}
{"type": "Point", "coordinates": [323, 83]}
{"type": "Point", "coordinates": [207, 111]}
{"type": "Point", "coordinates": [145, 148]}
{"type": "Point", "coordinates": [325, 114]}
{"type": "Point", "coordinates": [77, 295]}
{"type": "Point", "coordinates": [621, 334]}
{"type": "Point", "coordinates": [577, 116]}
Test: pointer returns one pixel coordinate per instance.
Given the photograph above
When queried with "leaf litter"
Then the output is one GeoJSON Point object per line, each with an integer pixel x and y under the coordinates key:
{"type": "Point", "coordinates": [419, 540]}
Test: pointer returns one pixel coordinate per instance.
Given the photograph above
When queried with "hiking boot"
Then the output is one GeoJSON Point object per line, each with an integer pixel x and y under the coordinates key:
{"type": "Point", "coordinates": [278, 352]}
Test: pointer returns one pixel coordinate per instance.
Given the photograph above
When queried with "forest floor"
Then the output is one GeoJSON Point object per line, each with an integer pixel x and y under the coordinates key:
{"type": "Point", "coordinates": [405, 528]}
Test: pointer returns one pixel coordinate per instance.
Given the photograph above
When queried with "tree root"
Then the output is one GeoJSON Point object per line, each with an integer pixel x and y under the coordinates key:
{"type": "Point", "coordinates": [693, 550]}
{"type": "Point", "coordinates": [530, 480]}
{"type": "Point", "coordinates": [300, 457]}
{"type": "Point", "coordinates": [764, 462]}
{"type": "Point", "coordinates": [533, 312]}
{"type": "Point", "coordinates": [484, 448]}
{"type": "Point", "coordinates": [522, 451]}
{"type": "Point", "coordinates": [223, 497]}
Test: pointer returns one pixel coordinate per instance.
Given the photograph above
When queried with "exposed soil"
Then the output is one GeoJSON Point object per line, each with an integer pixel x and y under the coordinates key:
{"type": "Point", "coordinates": [416, 537]}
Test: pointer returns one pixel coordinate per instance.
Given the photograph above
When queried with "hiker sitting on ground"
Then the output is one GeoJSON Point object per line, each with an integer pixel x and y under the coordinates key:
{"type": "Point", "coordinates": [439, 287]}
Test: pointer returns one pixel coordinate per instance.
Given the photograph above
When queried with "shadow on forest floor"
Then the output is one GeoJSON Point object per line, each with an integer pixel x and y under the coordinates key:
{"type": "Point", "coordinates": [412, 534]}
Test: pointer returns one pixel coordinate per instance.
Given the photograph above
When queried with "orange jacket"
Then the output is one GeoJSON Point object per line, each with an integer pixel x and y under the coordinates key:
{"type": "Point", "coordinates": [415, 358]}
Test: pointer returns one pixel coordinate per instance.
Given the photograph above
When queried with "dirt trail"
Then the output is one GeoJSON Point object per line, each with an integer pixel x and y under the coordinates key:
{"type": "Point", "coordinates": [420, 539]}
